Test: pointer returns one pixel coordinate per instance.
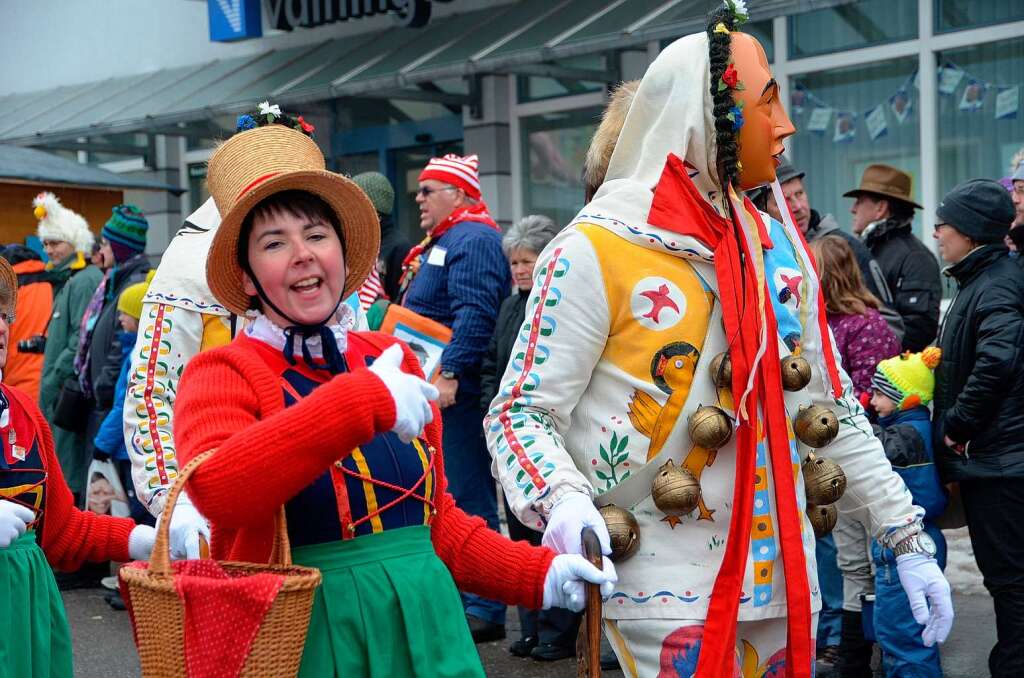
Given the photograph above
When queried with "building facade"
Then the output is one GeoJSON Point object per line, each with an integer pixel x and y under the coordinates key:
{"type": "Point", "coordinates": [931, 86]}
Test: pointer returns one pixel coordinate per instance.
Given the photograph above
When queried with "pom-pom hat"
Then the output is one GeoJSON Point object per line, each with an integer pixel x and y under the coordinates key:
{"type": "Point", "coordinates": [258, 163]}
{"type": "Point", "coordinates": [57, 222]}
{"type": "Point", "coordinates": [908, 379]}
{"type": "Point", "coordinates": [456, 170]}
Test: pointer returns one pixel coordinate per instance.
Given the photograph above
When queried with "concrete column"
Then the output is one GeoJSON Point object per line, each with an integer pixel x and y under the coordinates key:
{"type": "Point", "coordinates": [163, 209]}
{"type": "Point", "coordinates": [489, 137]}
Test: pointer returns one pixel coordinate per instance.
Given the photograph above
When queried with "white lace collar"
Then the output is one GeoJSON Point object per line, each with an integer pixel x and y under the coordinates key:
{"type": "Point", "coordinates": [263, 329]}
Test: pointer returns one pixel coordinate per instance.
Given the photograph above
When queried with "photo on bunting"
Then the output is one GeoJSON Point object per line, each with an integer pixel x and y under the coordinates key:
{"type": "Point", "coordinates": [876, 122]}
{"type": "Point", "coordinates": [846, 127]}
{"type": "Point", "coordinates": [900, 104]}
{"type": "Point", "coordinates": [949, 78]}
{"type": "Point", "coordinates": [797, 99]}
{"type": "Point", "coordinates": [973, 98]}
{"type": "Point", "coordinates": [1007, 102]}
{"type": "Point", "coordinates": [818, 122]}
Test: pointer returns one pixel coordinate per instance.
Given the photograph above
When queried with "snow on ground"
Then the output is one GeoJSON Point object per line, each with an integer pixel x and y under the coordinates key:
{"type": "Point", "coordinates": [961, 570]}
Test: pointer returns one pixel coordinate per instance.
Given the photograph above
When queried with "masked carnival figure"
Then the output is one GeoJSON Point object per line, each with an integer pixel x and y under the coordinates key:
{"type": "Point", "coordinates": [675, 368]}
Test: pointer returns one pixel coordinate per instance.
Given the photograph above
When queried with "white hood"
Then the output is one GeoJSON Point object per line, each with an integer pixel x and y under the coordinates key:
{"type": "Point", "coordinates": [665, 118]}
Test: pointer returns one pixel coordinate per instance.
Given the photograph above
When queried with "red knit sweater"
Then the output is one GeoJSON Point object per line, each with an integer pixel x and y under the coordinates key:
{"type": "Point", "coordinates": [231, 401]}
{"type": "Point", "coordinates": [69, 536]}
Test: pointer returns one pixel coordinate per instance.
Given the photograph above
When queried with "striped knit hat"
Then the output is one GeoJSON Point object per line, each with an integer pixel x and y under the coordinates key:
{"type": "Point", "coordinates": [126, 232]}
{"type": "Point", "coordinates": [456, 170]}
{"type": "Point", "coordinates": [907, 379]}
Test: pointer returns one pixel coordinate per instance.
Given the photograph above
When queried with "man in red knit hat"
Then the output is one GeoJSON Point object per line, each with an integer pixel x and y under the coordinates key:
{"type": "Point", "coordinates": [458, 276]}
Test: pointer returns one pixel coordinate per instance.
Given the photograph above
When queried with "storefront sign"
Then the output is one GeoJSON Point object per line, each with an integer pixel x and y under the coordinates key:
{"type": "Point", "coordinates": [234, 19]}
{"type": "Point", "coordinates": [289, 14]}
{"type": "Point", "coordinates": [240, 19]}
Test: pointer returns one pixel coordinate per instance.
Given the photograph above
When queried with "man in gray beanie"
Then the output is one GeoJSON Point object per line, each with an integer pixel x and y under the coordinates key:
{"type": "Point", "coordinates": [393, 245]}
{"type": "Point", "coordinates": [979, 395]}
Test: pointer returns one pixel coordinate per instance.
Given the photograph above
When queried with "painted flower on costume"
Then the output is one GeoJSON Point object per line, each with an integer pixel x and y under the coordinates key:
{"type": "Point", "coordinates": [245, 122]}
{"type": "Point", "coordinates": [736, 115]}
{"type": "Point", "coordinates": [738, 8]}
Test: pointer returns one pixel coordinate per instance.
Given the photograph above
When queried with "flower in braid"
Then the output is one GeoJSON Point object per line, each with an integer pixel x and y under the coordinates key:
{"type": "Point", "coordinates": [727, 113]}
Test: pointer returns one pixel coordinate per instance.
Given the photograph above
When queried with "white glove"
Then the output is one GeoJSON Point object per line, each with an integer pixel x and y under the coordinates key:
{"type": "Point", "coordinates": [140, 542]}
{"type": "Point", "coordinates": [922, 579]}
{"type": "Point", "coordinates": [411, 394]}
{"type": "Point", "coordinates": [564, 583]}
{"type": "Point", "coordinates": [14, 520]}
{"type": "Point", "coordinates": [568, 517]}
{"type": "Point", "coordinates": [187, 524]}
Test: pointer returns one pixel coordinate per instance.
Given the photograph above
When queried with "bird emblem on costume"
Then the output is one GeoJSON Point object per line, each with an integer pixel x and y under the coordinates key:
{"type": "Point", "coordinates": [660, 300]}
{"type": "Point", "coordinates": [672, 369]}
{"type": "Point", "coordinates": [791, 289]}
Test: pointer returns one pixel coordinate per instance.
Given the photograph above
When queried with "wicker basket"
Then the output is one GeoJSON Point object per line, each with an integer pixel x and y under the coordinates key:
{"type": "Point", "coordinates": [158, 614]}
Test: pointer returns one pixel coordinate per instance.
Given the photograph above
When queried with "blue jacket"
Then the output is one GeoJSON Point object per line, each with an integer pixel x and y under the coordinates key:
{"type": "Point", "coordinates": [461, 284]}
{"type": "Point", "coordinates": [110, 436]}
{"type": "Point", "coordinates": [907, 439]}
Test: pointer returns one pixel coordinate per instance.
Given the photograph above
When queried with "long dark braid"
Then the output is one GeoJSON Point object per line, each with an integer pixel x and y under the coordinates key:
{"type": "Point", "coordinates": [726, 138]}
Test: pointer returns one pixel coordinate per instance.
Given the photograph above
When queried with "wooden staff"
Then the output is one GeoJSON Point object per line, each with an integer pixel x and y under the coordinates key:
{"type": "Point", "coordinates": [589, 641]}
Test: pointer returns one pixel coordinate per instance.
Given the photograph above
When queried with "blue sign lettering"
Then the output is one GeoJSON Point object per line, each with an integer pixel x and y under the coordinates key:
{"type": "Point", "coordinates": [234, 19]}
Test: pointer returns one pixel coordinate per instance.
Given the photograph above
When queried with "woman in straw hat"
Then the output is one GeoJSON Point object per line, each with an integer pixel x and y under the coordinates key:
{"type": "Point", "coordinates": [338, 427]}
{"type": "Point", "coordinates": [39, 523]}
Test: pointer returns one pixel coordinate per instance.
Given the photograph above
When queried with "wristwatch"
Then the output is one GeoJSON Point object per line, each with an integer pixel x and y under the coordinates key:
{"type": "Point", "coordinates": [916, 543]}
{"type": "Point", "coordinates": [448, 374]}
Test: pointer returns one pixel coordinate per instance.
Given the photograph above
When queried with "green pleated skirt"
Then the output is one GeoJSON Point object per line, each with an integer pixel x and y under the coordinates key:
{"type": "Point", "coordinates": [387, 607]}
{"type": "Point", "coordinates": [34, 636]}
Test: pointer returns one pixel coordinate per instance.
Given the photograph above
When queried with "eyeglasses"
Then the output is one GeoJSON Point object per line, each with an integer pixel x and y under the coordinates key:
{"type": "Point", "coordinates": [938, 226]}
{"type": "Point", "coordinates": [425, 191]}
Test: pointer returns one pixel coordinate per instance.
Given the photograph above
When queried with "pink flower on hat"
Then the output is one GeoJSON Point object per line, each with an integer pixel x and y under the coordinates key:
{"type": "Point", "coordinates": [459, 171]}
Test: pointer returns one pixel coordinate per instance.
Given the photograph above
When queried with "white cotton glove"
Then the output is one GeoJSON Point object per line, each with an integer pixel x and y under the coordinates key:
{"type": "Point", "coordinates": [140, 542]}
{"type": "Point", "coordinates": [573, 512]}
{"type": "Point", "coordinates": [564, 583]}
{"type": "Point", "coordinates": [187, 525]}
{"type": "Point", "coordinates": [14, 520]}
{"type": "Point", "coordinates": [924, 583]}
{"type": "Point", "coordinates": [411, 394]}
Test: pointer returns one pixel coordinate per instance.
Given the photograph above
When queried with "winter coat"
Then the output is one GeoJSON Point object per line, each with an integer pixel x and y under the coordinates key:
{"type": "Point", "coordinates": [461, 283]}
{"type": "Point", "coordinates": [862, 341]}
{"type": "Point", "coordinates": [393, 248]}
{"type": "Point", "coordinates": [907, 439]}
{"type": "Point", "coordinates": [912, 273]}
{"type": "Point", "coordinates": [506, 329]}
{"type": "Point", "coordinates": [69, 302]}
{"type": "Point", "coordinates": [105, 350]}
{"type": "Point", "coordinates": [979, 384]}
{"type": "Point", "coordinates": [32, 313]}
{"type": "Point", "coordinates": [110, 437]}
{"type": "Point", "coordinates": [874, 278]}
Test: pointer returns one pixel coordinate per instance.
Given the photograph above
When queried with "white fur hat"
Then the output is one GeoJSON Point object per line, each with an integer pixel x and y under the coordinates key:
{"type": "Point", "coordinates": [57, 222]}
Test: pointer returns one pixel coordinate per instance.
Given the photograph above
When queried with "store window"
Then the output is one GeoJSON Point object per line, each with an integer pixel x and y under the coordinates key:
{"type": "Point", "coordinates": [980, 125]}
{"type": "Point", "coordinates": [852, 25]}
{"type": "Point", "coordinates": [848, 119]}
{"type": "Point", "coordinates": [554, 146]}
{"type": "Point", "coordinates": [956, 15]}
{"type": "Point", "coordinates": [536, 87]}
{"type": "Point", "coordinates": [197, 191]}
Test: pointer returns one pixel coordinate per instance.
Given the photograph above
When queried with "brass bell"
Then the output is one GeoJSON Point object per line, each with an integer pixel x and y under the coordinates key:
{"type": "Point", "coordinates": [823, 518]}
{"type": "Point", "coordinates": [710, 427]}
{"type": "Point", "coordinates": [796, 372]}
{"type": "Point", "coordinates": [675, 491]}
{"type": "Point", "coordinates": [815, 426]}
{"type": "Point", "coordinates": [824, 480]}
{"type": "Point", "coordinates": [721, 370]}
{"type": "Point", "coordinates": [624, 531]}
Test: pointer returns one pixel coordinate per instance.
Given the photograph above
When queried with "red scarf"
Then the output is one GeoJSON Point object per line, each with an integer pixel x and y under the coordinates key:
{"type": "Point", "coordinates": [412, 261]}
{"type": "Point", "coordinates": [679, 207]}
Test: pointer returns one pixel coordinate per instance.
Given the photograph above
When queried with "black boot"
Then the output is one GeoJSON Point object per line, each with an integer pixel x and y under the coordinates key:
{"type": "Point", "coordinates": [854, 649]}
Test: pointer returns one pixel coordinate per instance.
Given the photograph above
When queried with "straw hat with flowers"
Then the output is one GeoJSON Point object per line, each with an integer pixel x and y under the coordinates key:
{"type": "Point", "coordinates": [259, 162]}
{"type": "Point", "coordinates": [8, 283]}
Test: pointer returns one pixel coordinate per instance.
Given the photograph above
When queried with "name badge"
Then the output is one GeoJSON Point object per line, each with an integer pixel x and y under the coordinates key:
{"type": "Point", "coordinates": [436, 256]}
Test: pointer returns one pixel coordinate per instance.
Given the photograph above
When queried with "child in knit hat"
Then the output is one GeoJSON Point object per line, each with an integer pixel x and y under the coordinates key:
{"type": "Point", "coordinates": [902, 388]}
{"type": "Point", "coordinates": [109, 440]}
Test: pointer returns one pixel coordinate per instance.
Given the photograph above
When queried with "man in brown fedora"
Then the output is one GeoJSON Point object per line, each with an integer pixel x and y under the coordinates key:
{"type": "Point", "coordinates": [882, 214]}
